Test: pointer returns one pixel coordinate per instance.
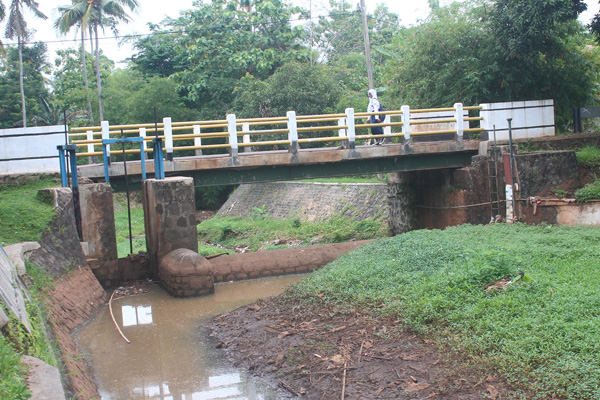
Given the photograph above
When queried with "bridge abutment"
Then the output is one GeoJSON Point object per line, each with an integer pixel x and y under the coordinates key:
{"type": "Point", "coordinates": [169, 218]}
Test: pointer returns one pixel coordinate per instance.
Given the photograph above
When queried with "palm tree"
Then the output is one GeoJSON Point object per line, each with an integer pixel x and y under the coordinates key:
{"type": "Point", "coordinates": [92, 14]}
{"type": "Point", "coordinates": [17, 27]}
{"type": "Point", "coordinates": [73, 16]}
{"type": "Point", "coordinates": [1, 14]}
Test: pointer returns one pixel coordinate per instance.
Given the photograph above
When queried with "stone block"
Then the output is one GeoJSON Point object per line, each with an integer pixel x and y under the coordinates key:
{"type": "Point", "coordinates": [185, 273]}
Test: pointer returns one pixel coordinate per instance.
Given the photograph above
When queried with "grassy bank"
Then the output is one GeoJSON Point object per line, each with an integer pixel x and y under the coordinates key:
{"type": "Point", "coordinates": [541, 332]}
{"type": "Point", "coordinates": [255, 232]}
{"type": "Point", "coordinates": [22, 215]}
{"type": "Point", "coordinates": [15, 340]}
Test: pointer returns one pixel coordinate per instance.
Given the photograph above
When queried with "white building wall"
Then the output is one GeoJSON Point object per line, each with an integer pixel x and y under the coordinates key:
{"type": "Point", "coordinates": [530, 119]}
{"type": "Point", "coordinates": [30, 150]}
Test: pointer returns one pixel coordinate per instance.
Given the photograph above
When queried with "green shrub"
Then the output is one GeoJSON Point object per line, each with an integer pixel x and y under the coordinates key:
{"type": "Point", "coordinates": [591, 191]}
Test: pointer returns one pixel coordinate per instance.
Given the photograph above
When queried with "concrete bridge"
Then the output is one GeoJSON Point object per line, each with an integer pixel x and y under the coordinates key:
{"type": "Point", "coordinates": [213, 170]}
{"type": "Point", "coordinates": [284, 148]}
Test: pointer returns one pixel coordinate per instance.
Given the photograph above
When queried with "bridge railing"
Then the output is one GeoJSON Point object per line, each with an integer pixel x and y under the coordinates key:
{"type": "Point", "coordinates": [292, 132]}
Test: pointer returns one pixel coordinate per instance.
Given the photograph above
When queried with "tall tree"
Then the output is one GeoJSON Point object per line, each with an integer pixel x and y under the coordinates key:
{"type": "Point", "coordinates": [16, 26]}
{"type": "Point", "coordinates": [94, 15]}
{"type": "Point", "coordinates": [35, 66]}
{"type": "Point", "coordinates": [71, 16]}
{"type": "Point", "coordinates": [461, 54]}
{"type": "Point", "coordinates": [217, 43]}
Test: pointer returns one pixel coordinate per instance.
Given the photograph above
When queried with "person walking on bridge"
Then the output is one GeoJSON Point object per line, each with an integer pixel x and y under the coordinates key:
{"type": "Point", "coordinates": [375, 106]}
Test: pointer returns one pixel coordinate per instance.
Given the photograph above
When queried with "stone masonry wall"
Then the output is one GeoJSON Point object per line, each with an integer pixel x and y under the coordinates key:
{"type": "Point", "coordinates": [60, 249]}
{"type": "Point", "coordinates": [278, 262]}
{"type": "Point", "coordinates": [309, 201]}
{"type": "Point", "coordinates": [169, 218]}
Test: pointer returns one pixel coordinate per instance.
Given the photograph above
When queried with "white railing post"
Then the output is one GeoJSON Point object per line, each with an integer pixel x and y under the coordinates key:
{"type": "Point", "coordinates": [197, 140]}
{"type": "Point", "coordinates": [232, 129]}
{"type": "Point", "coordinates": [106, 135]}
{"type": "Point", "coordinates": [143, 136]}
{"type": "Point", "coordinates": [293, 131]}
{"type": "Point", "coordinates": [246, 137]}
{"type": "Point", "coordinates": [342, 132]}
{"type": "Point", "coordinates": [387, 130]}
{"type": "Point", "coordinates": [168, 138]}
{"type": "Point", "coordinates": [351, 128]}
{"type": "Point", "coordinates": [90, 147]}
{"type": "Point", "coordinates": [460, 122]}
{"type": "Point", "coordinates": [406, 123]}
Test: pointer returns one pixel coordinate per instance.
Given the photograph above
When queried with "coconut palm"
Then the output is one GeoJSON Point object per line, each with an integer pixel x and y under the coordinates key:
{"type": "Point", "coordinates": [71, 16]}
{"type": "Point", "coordinates": [16, 26]}
{"type": "Point", "coordinates": [91, 15]}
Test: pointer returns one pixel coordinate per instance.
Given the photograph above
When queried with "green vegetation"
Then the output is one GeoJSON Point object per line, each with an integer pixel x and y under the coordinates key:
{"type": "Point", "coordinates": [541, 333]}
{"type": "Point", "coordinates": [589, 192]}
{"type": "Point", "coordinates": [12, 373]}
{"type": "Point", "coordinates": [22, 213]}
{"type": "Point", "coordinates": [15, 339]}
{"type": "Point", "coordinates": [589, 156]}
{"type": "Point", "coordinates": [122, 227]}
{"type": "Point", "coordinates": [266, 233]}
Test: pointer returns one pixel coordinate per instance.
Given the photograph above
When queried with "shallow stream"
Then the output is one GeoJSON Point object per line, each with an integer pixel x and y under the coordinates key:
{"type": "Point", "coordinates": [171, 356]}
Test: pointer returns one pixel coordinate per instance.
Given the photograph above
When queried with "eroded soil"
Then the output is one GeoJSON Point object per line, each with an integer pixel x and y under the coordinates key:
{"type": "Point", "coordinates": [322, 352]}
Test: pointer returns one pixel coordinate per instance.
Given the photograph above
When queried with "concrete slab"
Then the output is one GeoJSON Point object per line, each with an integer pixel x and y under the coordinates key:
{"type": "Point", "coordinates": [43, 380]}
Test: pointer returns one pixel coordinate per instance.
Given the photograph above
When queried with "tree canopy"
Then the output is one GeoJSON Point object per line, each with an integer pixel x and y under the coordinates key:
{"type": "Point", "coordinates": [265, 57]}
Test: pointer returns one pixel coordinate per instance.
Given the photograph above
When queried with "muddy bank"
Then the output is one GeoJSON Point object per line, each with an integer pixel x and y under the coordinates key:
{"type": "Point", "coordinates": [328, 351]}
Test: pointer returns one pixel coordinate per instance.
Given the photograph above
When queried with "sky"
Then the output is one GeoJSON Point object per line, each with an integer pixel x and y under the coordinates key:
{"type": "Point", "coordinates": [410, 12]}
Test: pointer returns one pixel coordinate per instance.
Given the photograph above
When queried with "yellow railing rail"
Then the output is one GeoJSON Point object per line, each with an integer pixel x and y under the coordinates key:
{"type": "Point", "coordinates": [291, 130]}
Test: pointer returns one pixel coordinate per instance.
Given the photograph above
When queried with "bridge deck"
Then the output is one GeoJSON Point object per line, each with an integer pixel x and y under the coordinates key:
{"type": "Point", "coordinates": [210, 170]}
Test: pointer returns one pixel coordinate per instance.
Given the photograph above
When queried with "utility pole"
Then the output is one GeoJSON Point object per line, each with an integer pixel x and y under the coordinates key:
{"type": "Point", "coordinates": [363, 10]}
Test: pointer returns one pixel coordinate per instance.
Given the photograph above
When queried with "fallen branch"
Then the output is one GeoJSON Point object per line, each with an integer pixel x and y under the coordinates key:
{"type": "Point", "coordinates": [113, 317]}
{"type": "Point", "coordinates": [288, 388]}
{"type": "Point", "coordinates": [344, 382]}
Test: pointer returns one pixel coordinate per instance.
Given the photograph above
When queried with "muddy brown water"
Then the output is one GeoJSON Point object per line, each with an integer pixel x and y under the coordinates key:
{"type": "Point", "coordinates": [171, 356]}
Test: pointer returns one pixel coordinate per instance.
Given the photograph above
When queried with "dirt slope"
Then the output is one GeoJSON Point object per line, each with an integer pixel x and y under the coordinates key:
{"type": "Point", "coordinates": [322, 352]}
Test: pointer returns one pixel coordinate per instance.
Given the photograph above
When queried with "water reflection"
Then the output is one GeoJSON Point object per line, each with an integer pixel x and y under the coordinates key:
{"type": "Point", "coordinates": [140, 315]}
{"type": "Point", "coordinates": [170, 356]}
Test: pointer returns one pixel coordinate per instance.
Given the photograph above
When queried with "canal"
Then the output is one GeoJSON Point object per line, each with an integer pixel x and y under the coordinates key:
{"type": "Point", "coordinates": [171, 355]}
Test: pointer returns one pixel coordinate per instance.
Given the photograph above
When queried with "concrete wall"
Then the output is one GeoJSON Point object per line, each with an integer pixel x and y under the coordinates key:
{"type": "Point", "coordinates": [530, 119]}
{"type": "Point", "coordinates": [309, 201]}
{"type": "Point", "coordinates": [98, 220]}
{"type": "Point", "coordinates": [30, 150]}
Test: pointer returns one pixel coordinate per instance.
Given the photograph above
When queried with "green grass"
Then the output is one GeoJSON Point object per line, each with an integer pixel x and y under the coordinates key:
{"type": "Point", "coordinates": [589, 192]}
{"type": "Point", "coordinates": [122, 229]}
{"type": "Point", "coordinates": [541, 335]}
{"type": "Point", "coordinates": [22, 215]}
{"type": "Point", "coordinates": [589, 156]}
{"type": "Point", "coordinates": [12, 373]}
{"type": "Point", "coordinates": [269, 233]}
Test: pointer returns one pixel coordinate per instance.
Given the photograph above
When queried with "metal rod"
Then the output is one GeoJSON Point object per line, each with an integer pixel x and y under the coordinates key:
{"type": "Point", "coordinates": [512, 160]}
{"type": "Point", "coordinates": [127, 190]}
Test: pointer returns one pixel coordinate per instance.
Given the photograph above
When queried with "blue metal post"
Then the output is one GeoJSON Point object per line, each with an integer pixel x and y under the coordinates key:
{"type": "Point", "coordinates": [64, 151]}
{"type": "Point", "coordinates": [107, 142]}
{"type": "Point", "coordinates": [159, 169]}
